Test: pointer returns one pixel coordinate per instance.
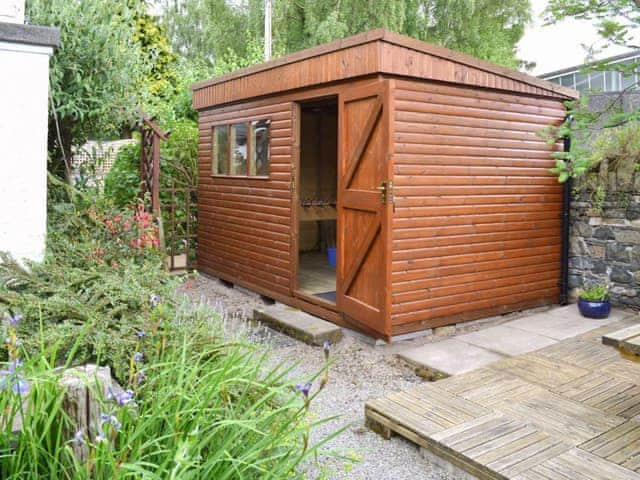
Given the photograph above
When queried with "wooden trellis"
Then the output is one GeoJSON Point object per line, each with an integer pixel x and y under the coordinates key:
{"type": "Point", "coordinates": [151, 135]}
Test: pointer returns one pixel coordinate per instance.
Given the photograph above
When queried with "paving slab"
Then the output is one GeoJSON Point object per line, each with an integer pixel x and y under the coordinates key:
{"type": "Point", "coordinates": [449, 357]}
{"type": "Point", "coordinates": [298, 324]}
{"type": "Point", "coordinates": [506, 340]}
{"type": "Point", "coordinates": [562, 322]}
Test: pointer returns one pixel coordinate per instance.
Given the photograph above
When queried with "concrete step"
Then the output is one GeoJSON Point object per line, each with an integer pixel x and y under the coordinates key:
{"type": "Point", "coordinates": [298, 324]}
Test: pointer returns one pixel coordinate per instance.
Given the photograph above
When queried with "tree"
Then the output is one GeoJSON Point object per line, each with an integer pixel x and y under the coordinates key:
{"type": "Point", "coordinates": [95, 74]}
{"type": "Point", "coordinates": [489, 29]}
{"type": "Point", "coordinates": [618, 23]}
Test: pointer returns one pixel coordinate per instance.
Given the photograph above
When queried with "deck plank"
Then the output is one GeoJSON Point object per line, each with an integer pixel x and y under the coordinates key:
{"type": "Point", "coordinates": [565, 412]}
{"type": "Point", "coordinates": [540, 370]}
{"type": "Point", "coordinates": [576, 464]}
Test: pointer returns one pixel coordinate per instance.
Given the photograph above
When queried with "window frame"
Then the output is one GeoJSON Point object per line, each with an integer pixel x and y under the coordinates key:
{"type": "Point", "coordinates": [229, 125]}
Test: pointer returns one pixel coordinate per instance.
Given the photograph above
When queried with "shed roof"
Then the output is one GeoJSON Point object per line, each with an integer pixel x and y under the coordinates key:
{"type": "Point", "coordinates": [374, 52]}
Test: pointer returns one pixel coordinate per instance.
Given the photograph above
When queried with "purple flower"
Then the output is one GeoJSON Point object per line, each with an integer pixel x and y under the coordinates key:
{"type": "Point", "coordinates": [137, 357]}
{"type": "Point", "coordinates": [109, 419]}
{"type": "Point", "coordinates": [326, 347]}
{"type": "Point", "coordinates": [122, 399]}
{"type": "Point", "coordinates": [125, 398]}
{"type": "Point", "coordinates": [155, 300]}
{"type": "Point", "coordinates": [14, 365]}
{"type": "Point", "coordinates": [79, 438]}
{"type": "Point", "coordinates": [141, 334]}
{"type": "Point", "coordinates": [111, 395]}
{"type": "Point", "coordinates": [101, 438]}
{"type": "Point", "coordinates": [304, 388]}
{"type": "Point", "coordinates": [142, 376]}
{"type": "Point", "coordinates": [21, 387]}
{"type": "Point", "coordinates": [13, 320]}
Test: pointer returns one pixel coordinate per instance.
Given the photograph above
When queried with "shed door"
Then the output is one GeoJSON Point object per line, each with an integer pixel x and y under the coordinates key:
{"type": "Point", "coordinates": [364, 205]}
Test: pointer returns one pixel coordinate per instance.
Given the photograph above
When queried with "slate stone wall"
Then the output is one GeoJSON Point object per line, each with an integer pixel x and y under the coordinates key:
{"type": "Point", "coordinates": [605, 247]}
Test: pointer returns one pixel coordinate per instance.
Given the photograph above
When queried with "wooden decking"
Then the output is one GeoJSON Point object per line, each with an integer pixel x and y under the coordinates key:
{"type": "Point", "coordinates": [569, 411]}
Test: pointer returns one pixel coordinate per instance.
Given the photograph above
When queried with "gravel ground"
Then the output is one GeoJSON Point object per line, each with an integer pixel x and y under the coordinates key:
{"type": "Point", "coordinates": [360, 372]}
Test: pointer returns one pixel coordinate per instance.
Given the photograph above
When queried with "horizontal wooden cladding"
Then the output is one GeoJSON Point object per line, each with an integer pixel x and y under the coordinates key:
{"type": "Point", "coordinates": [417, 255]}
{"type": "Point", "coordinates": [228, 269]}
{"type": "Point", "coordinates": [520, 299]}
{"type": "Point", "coordinates": [408, 248]}
{"type": "Point", "coordinates": [440, 200]}
{"type": "Point", "coordinates": [244, 223]}
{"type": "Point", "coordinates": [404, 236]}
{"type": "Point", "coordinates": [483, 284]}
{"type": "Point", "coordinates": [482, 94]}
{"type": "Point", "coordinates": [457, 302]}
{"type": "Point", "coordinates": [412, 98]}
{"type": "Point", "coordinates": [477, 213]}
{"type": "Point", "coordinates": [478, 209]}
{"type": "Point", "coordinates": [418, 280]}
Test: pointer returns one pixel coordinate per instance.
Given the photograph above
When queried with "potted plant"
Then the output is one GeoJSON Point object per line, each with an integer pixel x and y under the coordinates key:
{"type": "Point", "coordinates": [594, 302]}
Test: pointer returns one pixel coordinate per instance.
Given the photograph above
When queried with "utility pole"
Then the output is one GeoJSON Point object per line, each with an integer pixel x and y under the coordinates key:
{"type": "Point", "coordinates": [267, 29]}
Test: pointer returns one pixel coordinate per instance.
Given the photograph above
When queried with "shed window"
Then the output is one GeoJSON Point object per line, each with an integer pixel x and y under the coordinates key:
{"type": "Point", "coordinates": [259, 164]}
{"type": "Point", "coordinates": [241, 149]}
{"type": "Point", "coordinates": [239, 152]}
{"type": "Point", "coordinates": [220, 150]}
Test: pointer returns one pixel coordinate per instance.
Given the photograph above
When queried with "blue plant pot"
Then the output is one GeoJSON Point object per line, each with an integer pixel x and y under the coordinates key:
{"type": "Point", "coordinates": [591, 309]}
{"type": "Point", "coordinates": [332, 256]}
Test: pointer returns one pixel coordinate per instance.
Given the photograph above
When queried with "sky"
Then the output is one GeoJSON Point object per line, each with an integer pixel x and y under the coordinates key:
{"type": "Point", "coordinates": [558, 46]}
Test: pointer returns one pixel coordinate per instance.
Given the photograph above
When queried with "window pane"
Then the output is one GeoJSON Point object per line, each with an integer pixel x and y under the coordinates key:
{"type": "Point", "coordinates": [220, 150]}
{"type": "Point", "coordinates": [567, 80]}
{"type": "Point", "coordinates": [581, 82]}
{"type": "Point", "coordinates": [613, 81]}
{"type": "Point", "coordinates": [260, 147]}
{"type": "Point", "coordinates": [597, 81]}
{"type": "Point", "coordinates": [629, 80]}
{"type": "Point", "coordinates": [239, 152]}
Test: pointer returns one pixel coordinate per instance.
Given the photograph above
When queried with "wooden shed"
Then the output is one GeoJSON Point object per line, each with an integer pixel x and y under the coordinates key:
{"type": "Point", "coordinates": [420, 165]}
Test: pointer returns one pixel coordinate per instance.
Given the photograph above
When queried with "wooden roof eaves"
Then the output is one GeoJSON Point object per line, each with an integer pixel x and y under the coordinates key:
{"type": "Point", "coordinates": [468, 60]}
{"type": "Point", "coordinates": [336, 45]}
{"type": "Point", "coordinates": [399, 40]}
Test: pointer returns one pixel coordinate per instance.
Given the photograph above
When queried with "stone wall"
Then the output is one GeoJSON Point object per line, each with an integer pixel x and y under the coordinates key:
{"type": "Point", "coordinates": [605, 247]}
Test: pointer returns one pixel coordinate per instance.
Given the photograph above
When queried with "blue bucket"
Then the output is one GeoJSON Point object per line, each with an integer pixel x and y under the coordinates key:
{"type": "Point", "coordinates": [332, 256]}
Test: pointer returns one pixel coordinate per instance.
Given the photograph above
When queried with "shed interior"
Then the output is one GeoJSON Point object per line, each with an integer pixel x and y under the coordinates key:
{"type": "Point", "coordinates": [318, 197]}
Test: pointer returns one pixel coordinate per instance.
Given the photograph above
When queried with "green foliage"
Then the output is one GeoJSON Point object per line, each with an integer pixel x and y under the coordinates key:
{"type": "Point", "coordinates": [96, 72]}
{"type": "Point", "coordinates": [618, 22]}
{"type": "Point", "coordinates": [484, 28]}
{"type": "Point", "coordinates": [122, 183]}
{"type": "Point", "coordinates": [178, 166]}
{"type": "Point", "coordinates": [595, 293]}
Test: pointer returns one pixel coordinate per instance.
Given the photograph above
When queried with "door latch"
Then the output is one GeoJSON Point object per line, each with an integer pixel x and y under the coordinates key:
{"type": "Point", "coordinates": [386, 192]}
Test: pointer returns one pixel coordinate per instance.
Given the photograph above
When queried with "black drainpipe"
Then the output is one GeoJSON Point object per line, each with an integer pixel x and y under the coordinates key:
{"type": "Point", "coordinates": [566, 217]}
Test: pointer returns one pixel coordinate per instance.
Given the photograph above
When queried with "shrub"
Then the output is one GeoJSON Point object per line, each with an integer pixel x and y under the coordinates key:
{"type": "Point", "coordinates": [101, 267]}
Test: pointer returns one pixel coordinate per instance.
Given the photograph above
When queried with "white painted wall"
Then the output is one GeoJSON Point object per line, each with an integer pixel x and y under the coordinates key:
{"type": "Point", "coordinates": [24, 87]}
{"type": "Point", "coordinates": [12, 11]}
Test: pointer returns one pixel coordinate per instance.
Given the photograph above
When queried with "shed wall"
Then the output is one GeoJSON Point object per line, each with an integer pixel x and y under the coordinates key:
{"type": "Point", "coordinates": [477, 223]}
{"type": "Point", "coordinates": [244, 231]}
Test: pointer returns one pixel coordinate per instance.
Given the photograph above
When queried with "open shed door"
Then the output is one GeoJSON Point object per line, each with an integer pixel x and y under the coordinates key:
{"type": "Point", "coordinates": [364, 208]}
